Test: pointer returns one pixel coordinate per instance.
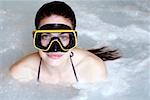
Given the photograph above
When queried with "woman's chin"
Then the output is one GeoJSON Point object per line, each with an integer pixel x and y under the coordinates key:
{"type": "Point", "coordinates": [54, 59]}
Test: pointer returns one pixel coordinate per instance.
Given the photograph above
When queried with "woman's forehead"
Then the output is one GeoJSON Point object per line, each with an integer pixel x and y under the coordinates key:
{"type": "Point", "coordinates": [55, 19]}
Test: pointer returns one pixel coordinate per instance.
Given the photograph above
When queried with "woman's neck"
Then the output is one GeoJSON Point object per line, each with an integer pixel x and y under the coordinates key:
{"type": "Point", "coordinates": [57, 67]}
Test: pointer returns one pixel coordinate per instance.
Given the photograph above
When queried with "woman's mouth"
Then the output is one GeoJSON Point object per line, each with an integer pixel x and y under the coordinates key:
{"type": "Point", "coordinates": [54, 56]}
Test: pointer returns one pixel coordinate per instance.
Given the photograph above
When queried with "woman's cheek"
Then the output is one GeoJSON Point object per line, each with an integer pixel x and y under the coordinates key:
{"type": "Point", "coordinates": [42, 54]}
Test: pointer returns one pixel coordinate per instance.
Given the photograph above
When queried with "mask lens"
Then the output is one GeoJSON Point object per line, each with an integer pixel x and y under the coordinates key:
{"type": "Point", "coordinates": [64, 38]}
{"type": "Point", "coordinates": [45, 39]}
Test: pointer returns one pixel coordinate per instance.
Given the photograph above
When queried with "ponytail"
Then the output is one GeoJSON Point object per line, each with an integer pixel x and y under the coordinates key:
{"type": "Point", "coordinates": [105, 53]}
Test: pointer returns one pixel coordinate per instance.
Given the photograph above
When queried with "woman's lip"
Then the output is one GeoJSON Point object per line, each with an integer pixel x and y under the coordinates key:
{"type": "Point", "coordinates": [54, 56]}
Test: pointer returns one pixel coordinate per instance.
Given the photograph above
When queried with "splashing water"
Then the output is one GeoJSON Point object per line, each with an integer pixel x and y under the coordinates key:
{"type": "Point", "coordinates": [123, 24]}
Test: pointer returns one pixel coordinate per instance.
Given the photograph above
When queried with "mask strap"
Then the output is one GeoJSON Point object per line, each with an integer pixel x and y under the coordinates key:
{"type": "Point", "coordinates": [71, 55]}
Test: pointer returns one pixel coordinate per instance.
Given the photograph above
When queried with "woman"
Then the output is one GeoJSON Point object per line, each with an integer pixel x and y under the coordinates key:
{"type": "Point", "coordinates": [58, 60]}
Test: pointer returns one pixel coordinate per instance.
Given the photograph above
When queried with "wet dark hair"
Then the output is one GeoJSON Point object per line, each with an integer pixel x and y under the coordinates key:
{"type": "Point", "coordinates": [62, 9]}
{"type": "Point", "coordinates": [55, 8]}
{"type": "Point", "coordinates": [106, 53]}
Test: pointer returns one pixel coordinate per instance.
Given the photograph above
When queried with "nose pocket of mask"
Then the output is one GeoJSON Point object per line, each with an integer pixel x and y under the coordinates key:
{"type": "Point", "coordinates": [55, 47]}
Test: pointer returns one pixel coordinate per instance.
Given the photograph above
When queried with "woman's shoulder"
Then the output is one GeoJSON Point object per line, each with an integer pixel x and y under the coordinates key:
{"type": "Point", "coordinates": [24, 67]}
{"type": "Point", "coordinates": [85, 55]}
{"type": "Point", "coordinates": [93, 67]}
{"type": "Point", "coordinates": [28, 59]}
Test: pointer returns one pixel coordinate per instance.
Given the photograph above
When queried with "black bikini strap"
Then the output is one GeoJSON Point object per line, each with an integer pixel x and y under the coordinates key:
{"type": "Point", "coordinates": [39, 70]}
{"type": "Point", "coordinates": [73, 67]}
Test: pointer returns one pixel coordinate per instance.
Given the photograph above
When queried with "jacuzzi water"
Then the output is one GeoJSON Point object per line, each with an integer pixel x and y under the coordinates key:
{"type": "Point", "coordinates": [123, 24]}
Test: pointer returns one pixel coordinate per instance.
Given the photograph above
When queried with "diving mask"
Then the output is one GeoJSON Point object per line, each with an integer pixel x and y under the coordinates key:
{"type": "Point", "coordinates": [54, 38]}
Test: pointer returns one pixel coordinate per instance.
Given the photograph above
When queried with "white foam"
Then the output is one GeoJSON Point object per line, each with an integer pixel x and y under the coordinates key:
{"type": "Point", "coordinates": [127, 77]}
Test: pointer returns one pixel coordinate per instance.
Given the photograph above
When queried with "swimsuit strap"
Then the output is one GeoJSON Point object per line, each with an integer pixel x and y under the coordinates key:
{"type": "Point", "coordinates": [38, 78]}
{"type": "Point", "coordinates": [73, 67]}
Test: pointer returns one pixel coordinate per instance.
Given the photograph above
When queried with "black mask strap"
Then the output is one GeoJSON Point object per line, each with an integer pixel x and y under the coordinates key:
{"type": "Point", "coordinates": [55, 27]}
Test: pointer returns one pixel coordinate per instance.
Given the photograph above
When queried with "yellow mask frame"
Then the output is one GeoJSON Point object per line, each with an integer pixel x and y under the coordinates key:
{"type": "Point", "coordinates": [48, 48]}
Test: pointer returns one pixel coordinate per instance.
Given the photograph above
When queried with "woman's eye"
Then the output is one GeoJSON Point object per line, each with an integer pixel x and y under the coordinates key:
{"type": "Point", "coordinates": [45, 37]}
{"type": "Point", "coordinates": [64, 37]}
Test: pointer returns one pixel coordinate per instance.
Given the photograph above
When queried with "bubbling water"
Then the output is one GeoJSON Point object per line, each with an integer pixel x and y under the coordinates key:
{"type": "Point", "coordinates": [120, 24]}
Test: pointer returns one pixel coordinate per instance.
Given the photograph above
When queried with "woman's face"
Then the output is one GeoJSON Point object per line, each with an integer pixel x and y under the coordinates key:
{"type": "Point", "coordinates": [55, 56]}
